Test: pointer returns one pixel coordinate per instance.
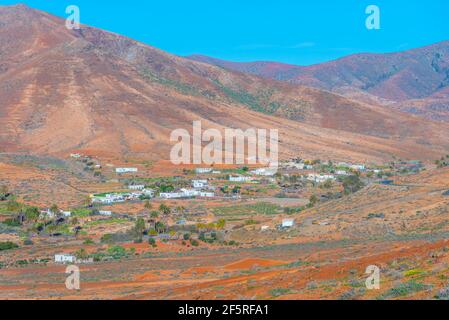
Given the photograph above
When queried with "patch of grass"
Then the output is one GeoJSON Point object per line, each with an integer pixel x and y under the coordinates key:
{"type": "Point", "coordinates": [262, 208]}
{"type": "Point", "coordinates": [81, 212]}
{"type": "Point", "coordinates": [279, 292]}
{"type": "Point", "coordinates": [413, 272]}
{"type": "Point", "coordinates": [108, 221]}
{"type": "Point", "coordinates": [352, 294]}
{"type": "Point", "coordinates": [405, 289]}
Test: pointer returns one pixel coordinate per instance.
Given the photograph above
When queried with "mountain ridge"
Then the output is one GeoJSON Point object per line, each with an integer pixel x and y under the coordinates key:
{"type": "Point", "coordinates": [94, 90]}
{"type": "Point", "coordinates": [397, 78]}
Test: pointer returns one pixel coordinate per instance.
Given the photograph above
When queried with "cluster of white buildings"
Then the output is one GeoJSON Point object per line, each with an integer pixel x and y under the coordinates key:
{"type": "Point", "coordinates": [137, 187]}
{"type": "Point", "coordinates": [64, 258]}
{"type": "Point", "coordinates": [111, 198]}
{"type": "Point", "coordinates": [187, 193]}
{"type": "Point", "coordinates": [50, 214]}
{"type": "Point", "coordinates": [198, 190]}
{"type": "Point", "coordinates": [320, 178]}
{"type": "Point", "coordinates": [240, 179]}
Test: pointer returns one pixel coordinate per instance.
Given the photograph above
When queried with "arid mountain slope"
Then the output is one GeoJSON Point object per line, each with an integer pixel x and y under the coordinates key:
{"type": "Point", "coordinates": [414, 74]}
{"type": "Point", "coordinates": [99, 92]}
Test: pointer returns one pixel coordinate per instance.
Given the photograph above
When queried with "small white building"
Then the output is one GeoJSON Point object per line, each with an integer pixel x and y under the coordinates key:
{"type": "Point", "coordinates": [49, 214]}
{"type": "Point", "coordinates": [189, 193]}
{"type": "Point", "coordinates": [199, 184]}
{"type": "Point", "coordinates": [148, 192]}
{"type": "Point", "coordinates": [267, 172]}
{"type": "Point", "coordinates": [66, 213]}
{"type": "Point", "coordinates": [264, 228]}
{"type": "Point", "coordinates": [171, 195]}
{"type": "Point", "coordinates": [64, 258]}
{"type": "Point", "coordinates": [203, 170]}
{"type": "Point", "coordinates": [207, 194]}
{"type": "Point", "coordinates": [105, 213]}
{"type": "Point", "coordinates": [126, 170]}
{"type": "Point", "coordinates": [341, 173]}
{"type": "Point", "coordinates": [288, 223]}
{"type": "Point", "coordinates": [240, 179]}
{"type": "Point", "coordinates": [75, 155]}
{"type": "Point", "coordinates": [136, 187]}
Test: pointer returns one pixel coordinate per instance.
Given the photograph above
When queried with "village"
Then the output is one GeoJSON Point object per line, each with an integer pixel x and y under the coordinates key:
{"type": "Point", "coordinates": [204, 205]}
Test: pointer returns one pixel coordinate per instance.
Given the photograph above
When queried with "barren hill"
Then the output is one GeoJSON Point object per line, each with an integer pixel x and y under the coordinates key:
{"type": "Point", "coordinates": [103, 93]}
{"type": "Point", "coordinates": [418, 74]}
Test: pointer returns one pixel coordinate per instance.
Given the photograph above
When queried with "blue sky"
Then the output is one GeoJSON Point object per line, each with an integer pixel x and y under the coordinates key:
{"type": "Point", "coordinates": [293, 31]}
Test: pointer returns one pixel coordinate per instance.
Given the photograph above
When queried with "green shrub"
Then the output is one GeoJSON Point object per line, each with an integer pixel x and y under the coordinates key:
{"type": "Point", "coordinates": [152, 242]}
{"type": "Point", "coordinates": [88, 242]}
{"type": "Point", "coordinates": [405, 289]}
{"type": "Point", "coordinates": [8, 246]}
{"type": "Point", "coordinates": [279, 292]}
{"type": "Point", "coordinates": [11, 223]}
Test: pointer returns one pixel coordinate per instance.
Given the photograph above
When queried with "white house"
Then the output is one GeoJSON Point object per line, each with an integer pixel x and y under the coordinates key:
{"type": "Point", "coordinates": [189, 193]}
{"type": "Point", "coordinates": [64, 258]}
{"type": "Point", "coordinates": [47, 214]}
{"type": "Point", "coordinates": [341, 173]}
{"type": "Point", "coordinates": [199, 184]}
{"type": "Point", "coordinates": [66, 214]}
{"type": "Point", "coordinates": [207, 194]}
{"type": "Point", "coordinates": [203, 170]}
{"type": "Point", "coordinates": [102, 200]}
{"type": "Point", "coordinates": [136, 187]}
{"type": "Point", "coordinates": [240, 179]}
{"type": "Point", "coordinates": [288, 223]}
{"type": "Point", "coordinates": [148, 192]}
{"type": "Point", "coordinates": [171, 195]}
{"type": "Point", "coordinates": [126, 170]}
{"type": "Point", "coordinates": [109, 198]}
{"type": "Point", "coordinates": [265, 172]}
{"type": "Point", "coordinates": [105, 213]}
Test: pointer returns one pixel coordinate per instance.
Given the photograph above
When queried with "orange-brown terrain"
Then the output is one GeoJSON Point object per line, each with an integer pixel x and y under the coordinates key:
{"type": "Point", "coordinates": [77, 104]}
